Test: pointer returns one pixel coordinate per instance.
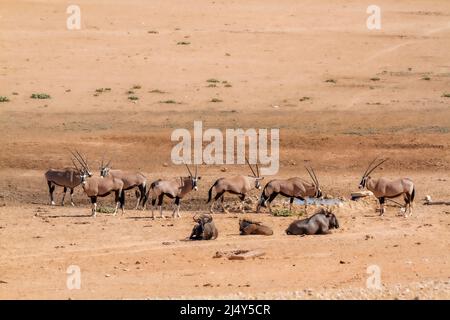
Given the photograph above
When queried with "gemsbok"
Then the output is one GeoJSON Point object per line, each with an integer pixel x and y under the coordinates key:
{"type": "Point", "coordinates": [130, 180]}
{"type": "Point", "coordinates": [68, 178]}
{"type": "Point", "coordinates": [238, 185]}
{"type": "Point", "coordinates": [98, 186]}
{"type": "Point", "coordinates": [383, 188]}
{"type": "Point", "coordinates": [293, 188]}
{"type": "Point", "coordinates": [176, 189]}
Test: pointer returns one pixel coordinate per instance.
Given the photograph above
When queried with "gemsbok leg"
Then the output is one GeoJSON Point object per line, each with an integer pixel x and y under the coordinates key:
{"type": "Point", "coordinates": [176, 208]}
{"type": "Point", "coordinates": [242, 198]}
{"type": "Point", "coordinates": [51, 189]}
{"type": "Point", "coordinates": [222, 198]}
{"type": "Point", "coordinates": [94, 206]}
{"type": "Point", "coordinates": [64, 195]}
{"type": "Point", "coordinates": [71, 198]}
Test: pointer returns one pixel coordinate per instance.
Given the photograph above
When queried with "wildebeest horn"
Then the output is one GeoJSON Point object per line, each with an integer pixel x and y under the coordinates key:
{"type": "Point", "coordinates": [379, 164]}
{"type": "Point", "coordinates": [250, 167]}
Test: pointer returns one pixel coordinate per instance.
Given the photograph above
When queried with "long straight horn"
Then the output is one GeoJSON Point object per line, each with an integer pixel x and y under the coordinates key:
{"type": "Point", "coordinates": [79, 161]}
{"type": "Point", "coordinates": [250, 167]}
{"type": "Point", "coordinates": [190, 173]}
{"type": "Point", "coordinates": [368, 167]}
{"type": "Point", "coordinates": [315, 176]}
{"type": "Point", "coordinates": [257, 170]}
{"type": "Point", "coordinates": [196, 170]}
{"type": "Point", "coordinates": [82, 159]}
{"type": "Point", "coordinates": [76, 167]}
{"type": "Point", "coordinates": [310, 174]}
{"type": "Point", "coordinates": [371, 170]}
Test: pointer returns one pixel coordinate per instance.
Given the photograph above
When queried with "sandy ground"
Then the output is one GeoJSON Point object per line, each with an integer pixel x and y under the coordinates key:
{"type": "Point", "coordinates": [387, 98]}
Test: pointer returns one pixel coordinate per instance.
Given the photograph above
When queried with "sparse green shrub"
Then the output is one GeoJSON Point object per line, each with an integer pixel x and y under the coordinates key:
{"type": "Point", "coordinates": [40, 96]}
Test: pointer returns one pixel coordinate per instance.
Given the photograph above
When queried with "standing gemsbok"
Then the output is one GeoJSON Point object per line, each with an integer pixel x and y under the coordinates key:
{"type": "Point", "coordinates": [383, 188]}
{"type": "Point", "coordinates": [175, 189]}
{"type": "Point", "coordinates": [99, 187]}
{"type": "Point", "coordinates": [130, 180]}
{"type": "Point", "coordinates": [68, 178]}
{"type": "Point", "coordinates": [293, 188]}
{"type": "Point", "coordinates": [238, 185]}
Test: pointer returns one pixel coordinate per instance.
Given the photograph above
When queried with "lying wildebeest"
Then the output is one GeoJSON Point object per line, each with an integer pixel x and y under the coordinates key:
{"type": "Point", "coordinates": [320, 223]}
{"type": "Point", "coordinates": [247, 227]}
{"type": "Point", "coordinates": [204, 228]}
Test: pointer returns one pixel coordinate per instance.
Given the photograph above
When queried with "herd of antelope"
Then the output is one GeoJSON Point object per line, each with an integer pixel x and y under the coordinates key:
{"type": "Point", "coordinates": [117, 181]}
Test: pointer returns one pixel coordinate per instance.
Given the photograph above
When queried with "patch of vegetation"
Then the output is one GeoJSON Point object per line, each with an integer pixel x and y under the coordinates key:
{"type": "Point", "coordinates": [228, 85]}
{"type": "Point", "coordinates": [130, 92]}
{"type": "Point", "coordinates": [168, 101]}
{"type": "Point", "coordinates": [4, 99]}
{"type": "Point", "coordinates": [426, 78]}
{"type": "Point", "coordinates": [156, 91]}
{"type": "Point", "coordinates": [40, 96]}
{"type": "Point", "coordinates": [183, 43]}
{"type": "Point", "coordinates": [136, 87]}
{"type": "Point", "coordinates": [109, 210]}
{"type": "Point", "coordinates": [15, 94]}
{"type": "Point", "coordinates": [304, 99]}
{"type": "Point", "coordinates": [101, 90]}
{"type": "Point", "coordinates": [330, 81]}
{"type": "Point", "coordinates": [375, 79]}
{"type": "Point", "coordinates": [446, 95]}
{"type": "Point", "coordinates": [133, 98]}
{"type": "Point", "coordinates": [211, 85]}
{"type": "Point", "coordinates": [212, 80]}
{"type": "Point", "coordinates": [216, 100]}
{"type": "Point", "coordinates": [284, 212]}
{"type": "Point", "coordinates": [153, 31]}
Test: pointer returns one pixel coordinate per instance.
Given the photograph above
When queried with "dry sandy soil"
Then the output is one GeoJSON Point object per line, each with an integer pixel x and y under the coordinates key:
{"type": "Point", "coordinates": [387, 98]}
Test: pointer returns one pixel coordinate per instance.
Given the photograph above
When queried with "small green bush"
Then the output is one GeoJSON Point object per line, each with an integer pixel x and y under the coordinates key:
{"type": "Point", "coordinates": [40, 96]}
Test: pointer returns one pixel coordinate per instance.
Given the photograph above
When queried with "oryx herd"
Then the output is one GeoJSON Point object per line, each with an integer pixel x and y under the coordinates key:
{"type": "Point", "coordinates": [116, 182]}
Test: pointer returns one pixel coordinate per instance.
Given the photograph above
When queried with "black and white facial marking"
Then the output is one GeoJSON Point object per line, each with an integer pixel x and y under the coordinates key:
{"type": "Point", "coordinates": [84, 174]}
{"type": "Point", "coordinates": [194, 181]}
{"type": "Point", "coordinates": [318, 193]}
{"type": "Point", "coordinates": [258, 182]}
{"type": "Point", "coordinates": [104, 171]}
{"type": "Point", "coordinates": [363, 182]}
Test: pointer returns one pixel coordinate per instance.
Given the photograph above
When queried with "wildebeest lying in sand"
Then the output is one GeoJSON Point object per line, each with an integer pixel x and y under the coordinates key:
{"type": "Point", "coordinates": [204, 228]}
{"type": "Point", "coordinates": [247, 227]}
{"type": "Point", "coordinates": [320, 223]}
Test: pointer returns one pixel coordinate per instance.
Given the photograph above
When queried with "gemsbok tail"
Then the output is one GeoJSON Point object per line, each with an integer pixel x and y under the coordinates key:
{"type": "Point", "coordinates": [210, 191]}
